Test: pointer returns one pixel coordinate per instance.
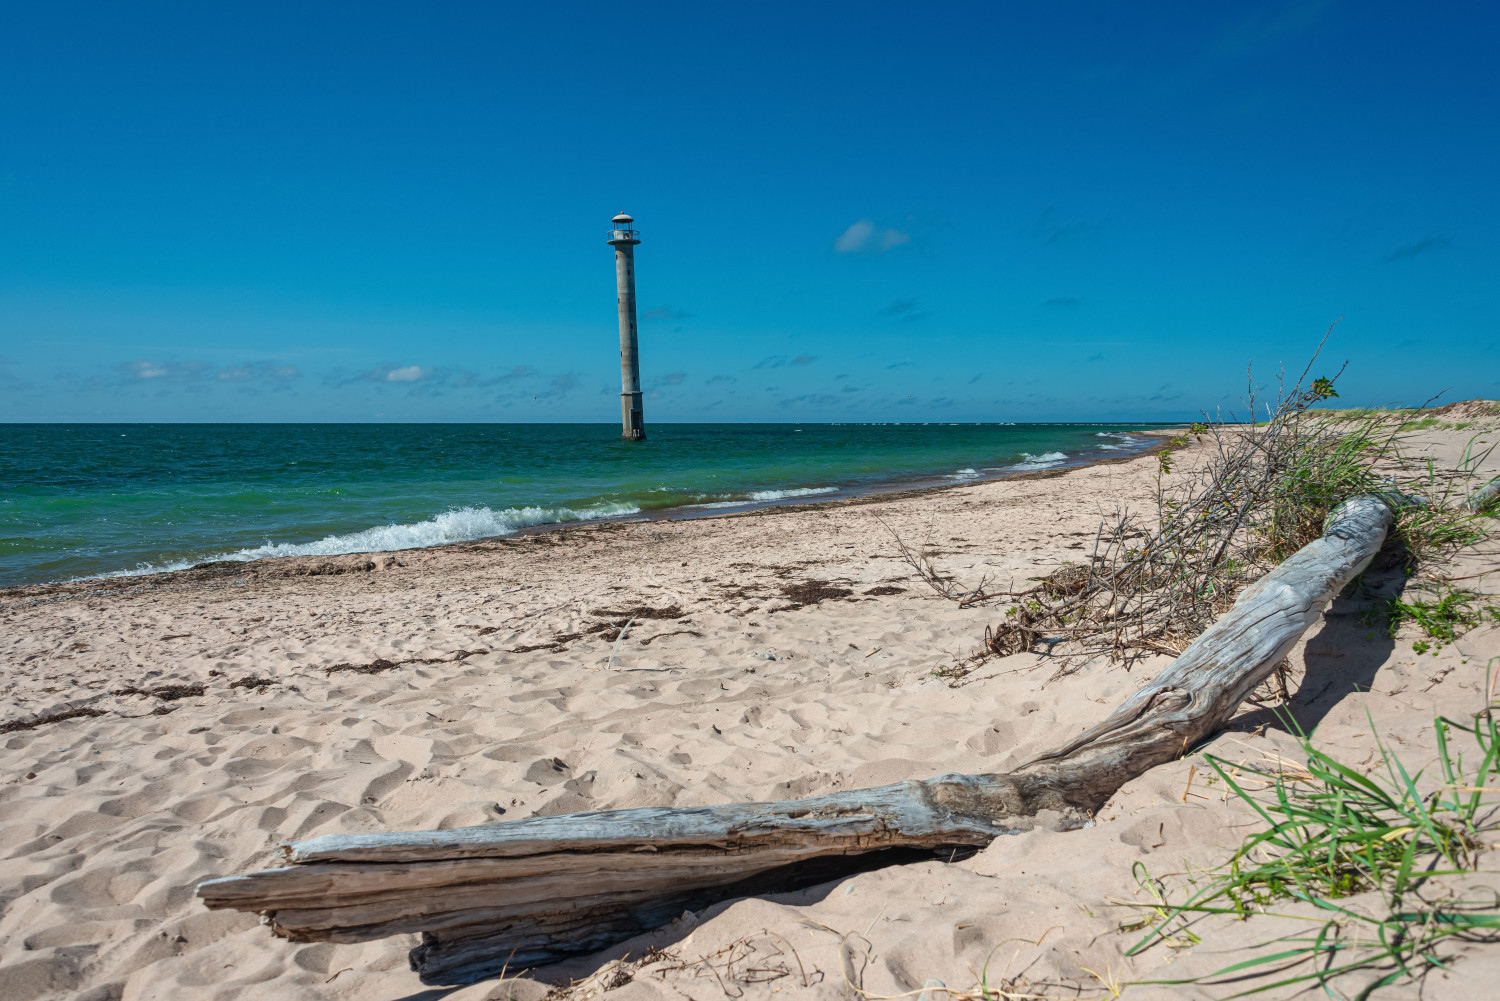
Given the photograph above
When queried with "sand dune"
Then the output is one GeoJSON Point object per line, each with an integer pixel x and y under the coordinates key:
{"type": "Point", "coordinates": [779, 654]}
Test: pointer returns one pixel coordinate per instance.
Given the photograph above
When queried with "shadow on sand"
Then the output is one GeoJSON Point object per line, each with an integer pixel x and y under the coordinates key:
{"type": "Point", "coordinates": [1342, 657]}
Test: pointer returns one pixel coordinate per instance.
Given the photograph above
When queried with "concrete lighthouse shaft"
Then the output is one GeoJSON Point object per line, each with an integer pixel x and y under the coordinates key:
{"type": "Point", "coordinates": [623, 238]}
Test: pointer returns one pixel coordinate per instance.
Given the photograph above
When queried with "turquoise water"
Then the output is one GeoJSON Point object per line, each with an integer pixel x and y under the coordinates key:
{"type": "Point", "coordinates": [81, 500]}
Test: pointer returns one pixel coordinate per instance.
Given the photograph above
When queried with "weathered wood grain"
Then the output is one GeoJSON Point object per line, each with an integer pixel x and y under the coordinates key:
{"type": "Point", "coordinates": [1484, 496]}
{"type": "Point", "coordinates": [533, 891]}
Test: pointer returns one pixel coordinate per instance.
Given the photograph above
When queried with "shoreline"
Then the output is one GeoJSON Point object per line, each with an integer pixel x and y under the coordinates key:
{"type": "Point", "coordinates": [875, 490]}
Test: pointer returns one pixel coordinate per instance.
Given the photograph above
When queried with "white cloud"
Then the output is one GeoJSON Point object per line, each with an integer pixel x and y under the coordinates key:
{"type": "Point", "coordinates": [855, 237]}
{"type": "Point", "coordinates": [398, 373]}
{"type": "Point", "coordinates": [867, 238]}
{"type": "Point", "coordinates": [141, 369]}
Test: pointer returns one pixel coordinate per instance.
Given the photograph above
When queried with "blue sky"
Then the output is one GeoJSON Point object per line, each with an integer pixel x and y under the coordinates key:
{"type": "Point", "coordinates": [990, 211]}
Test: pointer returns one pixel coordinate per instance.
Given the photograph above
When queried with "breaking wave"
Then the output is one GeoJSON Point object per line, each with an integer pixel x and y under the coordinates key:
{"type": "Point", "coordinates": [1122, 440]}
{"type": "Point", "coordinates": [462, 524]}
{"type": "Point", "coordinates": [770, 495]}
{"type": "Point", "coordinates": [761, 496]}
{"type": "Point", "coordinates": [1044, 461]}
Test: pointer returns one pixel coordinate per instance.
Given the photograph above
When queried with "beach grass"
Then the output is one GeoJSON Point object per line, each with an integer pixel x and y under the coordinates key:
{"type": "Point", "coordinates": [1329, 833]}
{"type": "Point", "coordinates": [1441, 611]}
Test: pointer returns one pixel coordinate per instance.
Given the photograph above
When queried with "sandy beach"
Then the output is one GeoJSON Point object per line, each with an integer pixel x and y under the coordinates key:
{"type": "Point", "coordinates": [165, 730]}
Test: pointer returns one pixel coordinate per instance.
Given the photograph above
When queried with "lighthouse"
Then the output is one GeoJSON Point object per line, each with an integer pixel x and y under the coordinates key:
{"type": "Point", "coordinates": [623, 237]}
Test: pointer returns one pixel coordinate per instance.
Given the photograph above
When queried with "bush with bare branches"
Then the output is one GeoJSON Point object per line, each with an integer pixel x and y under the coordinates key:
{"type": "Point", "coordinates": [1256, 493]}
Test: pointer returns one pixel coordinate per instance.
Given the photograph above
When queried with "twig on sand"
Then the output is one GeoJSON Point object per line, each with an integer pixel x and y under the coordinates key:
{"type": "Point", "coordinates": [616, 648]}
{"type": "Point", "coordinates": [920, 560]}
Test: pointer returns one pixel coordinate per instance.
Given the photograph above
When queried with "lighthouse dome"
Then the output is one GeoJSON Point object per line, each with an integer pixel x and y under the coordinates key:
{"type": "Point", "coordinates": [622, 219]}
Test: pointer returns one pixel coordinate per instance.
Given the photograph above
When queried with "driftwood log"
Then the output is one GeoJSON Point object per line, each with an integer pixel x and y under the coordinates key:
{"type": "Point", "coordinates": [1484, 496]}
{"type": "Point", "coordinates": [533, 891]}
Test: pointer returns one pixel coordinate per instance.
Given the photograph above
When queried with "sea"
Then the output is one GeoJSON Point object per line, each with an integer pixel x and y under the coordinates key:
{"type": "Point", "coordinates": [100, 500]}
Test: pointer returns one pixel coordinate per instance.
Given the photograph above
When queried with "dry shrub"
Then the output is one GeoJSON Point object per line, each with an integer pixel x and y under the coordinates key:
{"type": "Point", "coordinates": [1258, 492]}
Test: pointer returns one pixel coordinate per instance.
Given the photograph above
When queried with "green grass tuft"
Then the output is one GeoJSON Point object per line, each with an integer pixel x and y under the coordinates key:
{"type": "Point", "coordinates": [1443, 613]}
{"type": "Point", "coordinates": [1331, 832]}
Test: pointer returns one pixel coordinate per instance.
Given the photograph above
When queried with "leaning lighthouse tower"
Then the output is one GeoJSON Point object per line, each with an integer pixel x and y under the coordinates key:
{"type": "Point", "coordinates": [623, 237]}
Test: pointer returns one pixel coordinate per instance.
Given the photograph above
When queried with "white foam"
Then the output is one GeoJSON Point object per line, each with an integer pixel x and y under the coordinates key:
{"type": "Point", "coordinates": [770, 495]}
{"type": "Point", "coordinates": [964, 474]}
{"type": "Point", "coordinates": [458, 525]}
{"type": "Point", "coordinates": [718, 504]}
{"type": "Point", "coordinates": [760, 496]}
{"type": "Point", "coordinates": [1123, 440]}
{"type": "Point", "coordinates": [1043, 461]}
